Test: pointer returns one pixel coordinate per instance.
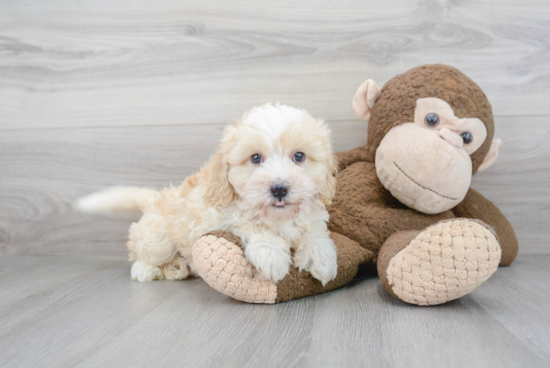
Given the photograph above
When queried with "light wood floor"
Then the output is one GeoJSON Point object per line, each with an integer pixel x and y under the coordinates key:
{"type": "Point", "coordinates": [72, 311]}
{"type": "Point", "coordinates": [137, 92]}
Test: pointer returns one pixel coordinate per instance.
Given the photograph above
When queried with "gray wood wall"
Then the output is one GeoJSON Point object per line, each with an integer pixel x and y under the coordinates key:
{"type": "Point", "coordinates": [136, 92]}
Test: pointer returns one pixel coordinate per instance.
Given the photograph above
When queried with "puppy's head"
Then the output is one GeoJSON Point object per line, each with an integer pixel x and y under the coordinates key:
{"type": "Point", "coordinates": [275, 159]}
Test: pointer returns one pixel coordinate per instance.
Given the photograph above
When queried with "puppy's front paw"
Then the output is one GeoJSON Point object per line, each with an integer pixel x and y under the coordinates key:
{"type": "Point", "coordinates": [270, 260]}
{"type": "Point", "coordinates": [318, 257]}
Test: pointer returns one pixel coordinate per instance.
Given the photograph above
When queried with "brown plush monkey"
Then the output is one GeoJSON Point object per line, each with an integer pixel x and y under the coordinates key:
{"type": "Point", "coordinates": [403, 202]}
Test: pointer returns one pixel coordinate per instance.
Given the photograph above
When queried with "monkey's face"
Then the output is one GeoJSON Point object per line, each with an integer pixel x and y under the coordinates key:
{"type": "Point", "coordinates": [426, 164]}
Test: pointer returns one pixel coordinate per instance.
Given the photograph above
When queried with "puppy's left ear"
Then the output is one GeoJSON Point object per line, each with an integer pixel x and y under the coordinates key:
{"type": "Point", "coordinates": [328, 192]}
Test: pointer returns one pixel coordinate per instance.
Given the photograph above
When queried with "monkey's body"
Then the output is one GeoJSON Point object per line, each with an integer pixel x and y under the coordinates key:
{"type": "Point", "coordinates": [368, 214]}
{"type": "Point", "coordinates": [403, 201]}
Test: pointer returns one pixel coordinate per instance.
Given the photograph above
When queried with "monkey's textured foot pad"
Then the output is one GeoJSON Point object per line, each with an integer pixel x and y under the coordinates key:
{"type": "Point", "coordinates": [219, 259]}
{"type": "Point", "coordinates": [222, 264]}
{"type": "Point", "coordinates": [443, 262]}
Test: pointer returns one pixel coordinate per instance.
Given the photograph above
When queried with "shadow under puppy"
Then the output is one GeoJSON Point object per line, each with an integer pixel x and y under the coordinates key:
{"type": "Point", "coordinates": [268, 184]}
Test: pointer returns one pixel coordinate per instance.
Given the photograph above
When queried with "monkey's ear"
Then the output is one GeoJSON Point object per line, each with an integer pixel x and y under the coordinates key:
{"type": "Point", "coordinates": [491, 155]}
{"type": "Point", "coordinates": [364, 99]}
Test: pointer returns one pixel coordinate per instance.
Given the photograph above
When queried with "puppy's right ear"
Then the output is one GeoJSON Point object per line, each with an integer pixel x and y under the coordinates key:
{"type": "Point", "coordinates": [219, 191]}
{"type": "Point", "coordinates": [364, 99]}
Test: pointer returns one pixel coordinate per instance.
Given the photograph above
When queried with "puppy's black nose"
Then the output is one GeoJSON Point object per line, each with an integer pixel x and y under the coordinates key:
{"type": "Point", "coordinates": [279, 191]}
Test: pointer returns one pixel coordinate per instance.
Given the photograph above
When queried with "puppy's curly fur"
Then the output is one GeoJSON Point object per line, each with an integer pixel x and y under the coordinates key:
{"type": "Point", "coordinates": [235, 192]}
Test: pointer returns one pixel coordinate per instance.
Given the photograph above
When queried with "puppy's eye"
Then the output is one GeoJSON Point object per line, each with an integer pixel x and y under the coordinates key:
{"type": "Point", "coordinates": [467, 137]}
{"type": "Point", "coordinates": [432, 120]}
{"type": "Point", "coordinates": [256, 158]}
{"type": "Point", "coordinates": [299, 157]}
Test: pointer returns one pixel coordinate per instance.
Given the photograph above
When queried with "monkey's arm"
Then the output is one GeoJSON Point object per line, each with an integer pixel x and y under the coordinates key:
{"type": "Point", "coordinates": [350, 157]}
{"type": "Point", "coordinates": [478, 207]}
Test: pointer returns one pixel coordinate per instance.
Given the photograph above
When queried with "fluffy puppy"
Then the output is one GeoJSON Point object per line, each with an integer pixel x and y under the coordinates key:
{"type": "Point", "coordinates": [268, 183]}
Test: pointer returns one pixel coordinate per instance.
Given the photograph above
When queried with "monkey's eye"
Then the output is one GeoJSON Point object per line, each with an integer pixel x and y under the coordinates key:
{"type": "Point", "coordinates": [299, 157]}
{"type": "Point", "coordinates": [432, 120]}
{"type": "Point", "coordinates": [467, 137]}
{"type": "Point", "coordinates": [256, 158]}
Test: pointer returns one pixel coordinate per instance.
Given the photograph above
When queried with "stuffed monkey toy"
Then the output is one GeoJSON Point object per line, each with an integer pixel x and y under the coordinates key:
{"type": "Point", "coordinates": [403, 203]}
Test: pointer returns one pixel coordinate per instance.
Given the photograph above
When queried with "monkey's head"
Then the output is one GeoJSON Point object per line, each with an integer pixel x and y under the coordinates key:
{"type": "Point", "coordinates": [429, 130]}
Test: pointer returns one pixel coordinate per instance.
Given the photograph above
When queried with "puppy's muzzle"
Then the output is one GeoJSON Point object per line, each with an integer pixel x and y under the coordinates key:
{"type": "Point", "coordinates": [279, 191]}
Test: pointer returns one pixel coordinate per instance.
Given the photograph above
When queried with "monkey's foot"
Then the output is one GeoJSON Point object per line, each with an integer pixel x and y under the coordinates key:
{"type": "Point", "coordinates": [219, 259]}
{"type": "Point", "coordinates": [441, 263]}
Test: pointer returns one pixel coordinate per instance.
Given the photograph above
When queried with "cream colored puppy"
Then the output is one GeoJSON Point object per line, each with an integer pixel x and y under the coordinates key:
{"type": "Point", "coordinates": [268, 183]}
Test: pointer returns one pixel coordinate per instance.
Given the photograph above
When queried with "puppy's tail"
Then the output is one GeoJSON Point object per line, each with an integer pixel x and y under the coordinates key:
{"type": "Point", "coordinates": [125, 200]}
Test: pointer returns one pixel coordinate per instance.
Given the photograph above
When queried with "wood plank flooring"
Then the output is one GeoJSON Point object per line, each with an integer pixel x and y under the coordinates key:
{"type": "Point", "coordinates": [86, 312]}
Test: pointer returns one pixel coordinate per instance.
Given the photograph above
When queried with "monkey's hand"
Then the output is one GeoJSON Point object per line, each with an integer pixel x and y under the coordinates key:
{"type": "Point", "coordinates": [350, 157]}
